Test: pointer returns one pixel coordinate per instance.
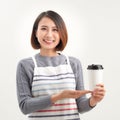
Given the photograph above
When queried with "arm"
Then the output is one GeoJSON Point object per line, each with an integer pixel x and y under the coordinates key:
{"type": "Point", "coordinates": [83, 102]}
{"type": "Point", "coordinates": [27, 103]}
{"type": "Point", "coordinates": [68, 94]}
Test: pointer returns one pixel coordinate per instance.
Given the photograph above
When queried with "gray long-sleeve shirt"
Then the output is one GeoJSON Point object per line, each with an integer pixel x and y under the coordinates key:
{"type": "Point", "coordinates": [24, 78]}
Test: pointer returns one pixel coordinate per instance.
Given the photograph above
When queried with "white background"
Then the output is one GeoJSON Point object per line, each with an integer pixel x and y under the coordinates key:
{"type": "Point", "coordinates": [94, 37]}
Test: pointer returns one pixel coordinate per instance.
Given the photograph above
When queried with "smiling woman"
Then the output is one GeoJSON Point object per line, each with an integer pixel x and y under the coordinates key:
{"type": "Point", "coordinates": [50, 84]}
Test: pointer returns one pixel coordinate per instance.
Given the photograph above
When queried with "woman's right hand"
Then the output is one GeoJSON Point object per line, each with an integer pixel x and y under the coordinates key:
{"type": "Point", "coordinates": [69, 94]}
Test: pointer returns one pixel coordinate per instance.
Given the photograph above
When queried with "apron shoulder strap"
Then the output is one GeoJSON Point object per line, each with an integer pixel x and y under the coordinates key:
{"type": "Point", "coordinates": [35, 63]}
{"type": "Point", "coordinates": [68, 61]}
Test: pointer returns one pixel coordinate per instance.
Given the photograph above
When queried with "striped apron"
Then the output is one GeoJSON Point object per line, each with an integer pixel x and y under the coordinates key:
{"type": "Point", "coordinates": [50, 80]}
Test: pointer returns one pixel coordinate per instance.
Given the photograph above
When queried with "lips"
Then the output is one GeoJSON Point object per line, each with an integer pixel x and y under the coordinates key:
{"type": "Point", "coordinates": [48, 41]}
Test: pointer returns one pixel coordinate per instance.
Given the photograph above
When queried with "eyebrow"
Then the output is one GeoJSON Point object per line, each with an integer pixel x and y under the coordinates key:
{"type": "Point", "coordinates": [47, 26]}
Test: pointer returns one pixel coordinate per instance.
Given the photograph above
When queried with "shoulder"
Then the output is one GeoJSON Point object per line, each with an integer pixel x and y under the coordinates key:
{"type": "Point", "coordinates": [74, 61]}
{"type": "Point", "coordinates": [25, 63]}
{"type": "Point", "coordinates": [75, 64]}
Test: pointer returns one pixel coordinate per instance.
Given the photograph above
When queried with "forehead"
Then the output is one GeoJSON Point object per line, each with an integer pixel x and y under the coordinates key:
{"type": "Point", "coordinates": [46, 21]}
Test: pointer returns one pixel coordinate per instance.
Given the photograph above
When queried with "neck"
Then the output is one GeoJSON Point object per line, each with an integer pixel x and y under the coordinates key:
{"type": "Point", "coordinates": [48, 53]}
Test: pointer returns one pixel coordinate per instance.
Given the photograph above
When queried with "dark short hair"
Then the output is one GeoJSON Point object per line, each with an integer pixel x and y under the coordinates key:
{"type": "Point", "coordinates": [59, 22]}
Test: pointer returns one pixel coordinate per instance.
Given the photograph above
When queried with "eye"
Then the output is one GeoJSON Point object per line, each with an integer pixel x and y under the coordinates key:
{"type": "Point", "coordinates": [43, 29]}
{"type": "Point", "coordinates": [55, 30]}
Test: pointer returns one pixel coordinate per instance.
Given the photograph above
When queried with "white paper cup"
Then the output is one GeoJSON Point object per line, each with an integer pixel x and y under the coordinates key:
{"type": "Point", "coordinates": [95, 75]}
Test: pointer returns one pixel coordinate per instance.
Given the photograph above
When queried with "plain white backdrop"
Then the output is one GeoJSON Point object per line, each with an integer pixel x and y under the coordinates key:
{"type": "Point", "coordinates": [94, 37]}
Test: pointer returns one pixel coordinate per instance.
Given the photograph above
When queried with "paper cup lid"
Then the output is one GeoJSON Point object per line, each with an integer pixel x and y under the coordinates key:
{"type": "Point", "coordinates": [94, 67]}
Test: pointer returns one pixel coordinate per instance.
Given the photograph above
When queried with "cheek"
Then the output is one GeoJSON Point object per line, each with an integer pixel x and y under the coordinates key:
{"type": "Point", "coordinates": [39, 36]}
{"type": "Point", "coordinates": [38, 33]}
{"type": "Point", "coordinates": [57, 40]}
{"type": "Point", "coordinates": [58, 37]}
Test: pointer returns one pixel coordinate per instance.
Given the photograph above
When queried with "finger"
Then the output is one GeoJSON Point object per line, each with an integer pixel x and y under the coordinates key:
{"type": "Point", "coordinates": [83, 92]}
{"type": "Point", "coordinates": [98, 96]}
{"type": "Point", "coordinates": [100, 85]}
{"type": "Point", "coordinates": [99, 89]}
{"type": "Point", "coordinates": [99, 93]}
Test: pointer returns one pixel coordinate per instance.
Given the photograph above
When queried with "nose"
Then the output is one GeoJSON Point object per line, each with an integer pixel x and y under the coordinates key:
{"type": "Point", "coordinates": [49, 33]}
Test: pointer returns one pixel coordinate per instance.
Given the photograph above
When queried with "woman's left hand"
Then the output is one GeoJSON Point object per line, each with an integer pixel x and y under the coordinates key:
{"type": "Point", "coordinates": [97, 94]}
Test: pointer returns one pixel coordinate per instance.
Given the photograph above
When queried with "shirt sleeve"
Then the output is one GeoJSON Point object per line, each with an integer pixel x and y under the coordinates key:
{"type": "Point", "coordinates": [27, 102]}
{"type": "Point", "coordinates": [83, 102]}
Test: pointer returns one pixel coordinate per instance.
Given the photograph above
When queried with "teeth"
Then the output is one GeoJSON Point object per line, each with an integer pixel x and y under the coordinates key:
{"type": "Point", "coordinates": [49, 40]}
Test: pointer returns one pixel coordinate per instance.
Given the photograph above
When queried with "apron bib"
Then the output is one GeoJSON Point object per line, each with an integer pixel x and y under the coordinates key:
{"type": "Point", "coordinates": [50, 80]}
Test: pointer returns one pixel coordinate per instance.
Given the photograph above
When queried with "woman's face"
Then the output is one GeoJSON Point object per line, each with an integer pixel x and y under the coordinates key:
{"type": "Point", "coordinates": [47, 34]}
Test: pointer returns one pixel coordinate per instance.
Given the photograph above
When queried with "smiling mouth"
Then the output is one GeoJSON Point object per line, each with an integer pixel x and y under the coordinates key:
{"type": "Point", "coordinates": [48, 41]}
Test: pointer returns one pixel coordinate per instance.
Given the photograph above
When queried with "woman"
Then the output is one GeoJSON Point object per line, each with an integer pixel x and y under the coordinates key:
{"type": "Point", "coordinates": [50, 84]}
